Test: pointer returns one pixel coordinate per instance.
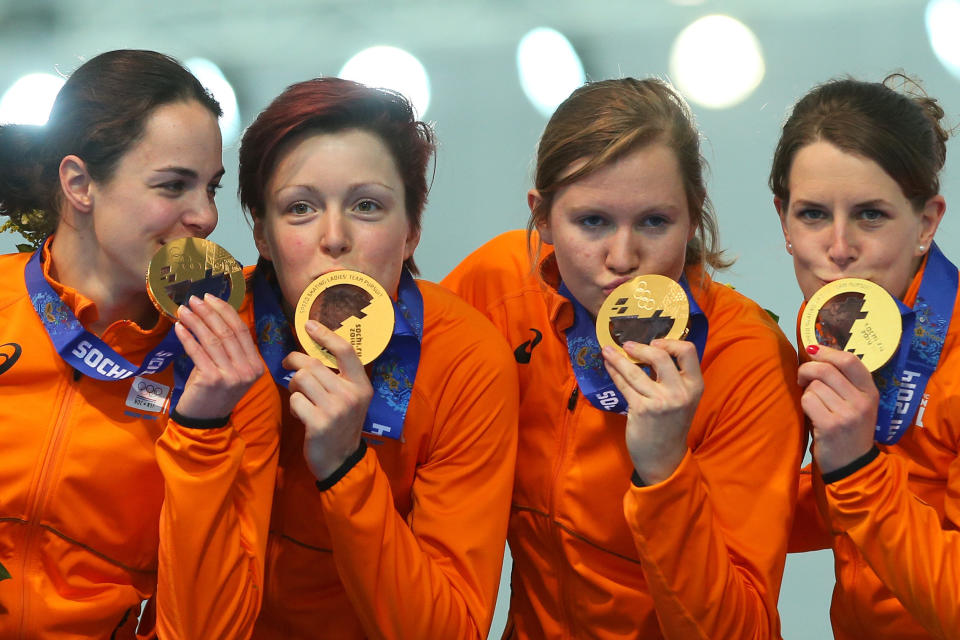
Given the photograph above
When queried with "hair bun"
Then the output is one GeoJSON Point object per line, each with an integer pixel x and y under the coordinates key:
{"type": "Point", "coordinates": [913, 89]}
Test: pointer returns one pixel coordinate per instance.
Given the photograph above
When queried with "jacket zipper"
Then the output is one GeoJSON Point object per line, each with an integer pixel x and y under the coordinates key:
{"type": "Point", "coordinates": [35, 509]}
{"type": "Point", "coordinates": [562, 581]}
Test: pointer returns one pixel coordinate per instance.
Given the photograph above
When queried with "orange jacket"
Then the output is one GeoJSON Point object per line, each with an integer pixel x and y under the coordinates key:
{"type": "Point", "coordinates": [894, 522]}
{"type": "Point", "coordinates": [699, 555]}
{"type": "Point", "coordinates": [409, 543]}
{"type": "Point", "coordinates": [105, 503]}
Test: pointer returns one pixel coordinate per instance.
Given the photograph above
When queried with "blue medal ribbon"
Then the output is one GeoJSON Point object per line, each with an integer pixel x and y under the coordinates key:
{"type": "Point", "coordinates": [587, 361]}
{"type": "Point", "coordinates": [394, 371]}
{"type": "Point", "coordinates": [79, 348]}
{"type": "Point", "coordinates": [902, 381]}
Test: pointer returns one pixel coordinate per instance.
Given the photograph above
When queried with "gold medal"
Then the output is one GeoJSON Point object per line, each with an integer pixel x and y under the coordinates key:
{"type": "Point", "coordinates": [351, 304]}
{"type": "Point", "coordinates": [853, 315]}
{"type": "Point", "coordinates": [641, 310]}
{"type": "Point", "coordinates": [192, 267]}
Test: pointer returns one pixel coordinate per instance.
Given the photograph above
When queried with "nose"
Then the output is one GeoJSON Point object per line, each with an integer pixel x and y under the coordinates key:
{"type": "Point", "coordinates": [201, 219]}
{"type": "Point", "coordinates": [335, 238]}
{"type": "Point", "coordinates": [842, 250]}
{"type": "Point", "coordinates": [622, 256]}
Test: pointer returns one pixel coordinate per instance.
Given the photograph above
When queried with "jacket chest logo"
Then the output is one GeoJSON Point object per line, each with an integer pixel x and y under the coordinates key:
{"type": "Point", "coordinates": [523, 352]}
{"type": "Point", "coordinates": [9, 354]}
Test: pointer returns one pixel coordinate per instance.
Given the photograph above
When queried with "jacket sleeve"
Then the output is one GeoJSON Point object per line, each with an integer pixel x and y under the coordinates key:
{"type": "Point", "coordinates": [712, 538]}
{"type": "Point", "coordinates": [214, 520]}
{"type": "Point", "coordinates": [435, 574]}
{"type": "Point", "coordinates": [903, 539]}
{"type": "Point", "coordinates": [810, 531]}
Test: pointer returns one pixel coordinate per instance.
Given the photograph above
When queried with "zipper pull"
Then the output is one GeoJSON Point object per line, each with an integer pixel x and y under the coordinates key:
{"type": "Point", "coordinates": [572, 402]}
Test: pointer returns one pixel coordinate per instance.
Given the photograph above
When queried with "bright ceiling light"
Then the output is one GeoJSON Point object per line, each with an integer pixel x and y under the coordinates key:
{"type": "Point", "coordinates": [943, 27]}
{"type": "Point", "coordinates": [549, 68]}
{"type": "Point", "coordinates": [29, 99]}
{"type": "Point", "coordinates": [211, 77]}
{"type": "Point", "coordinates": [716, 62]}
{"type": "Point", "coordinates": [391, 68]}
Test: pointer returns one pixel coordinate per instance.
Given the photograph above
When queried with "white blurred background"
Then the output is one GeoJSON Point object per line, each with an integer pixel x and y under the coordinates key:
{"type": "Point", "coordinates": [741, 72]}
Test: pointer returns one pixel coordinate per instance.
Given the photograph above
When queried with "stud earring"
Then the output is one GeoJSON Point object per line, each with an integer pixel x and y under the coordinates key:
{"type": "Point", "coordinates": [922, 248]}
{"type": "Point", "coordinates": [790, 248]}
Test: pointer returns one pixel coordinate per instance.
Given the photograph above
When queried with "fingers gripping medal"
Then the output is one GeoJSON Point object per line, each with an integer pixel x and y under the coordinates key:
{"type": "Point", "coordinates": [351, 304]}
{"type": "Point", "coordinates": [853, 315]}
{"type": "Point", "coordinates": [193, 267]}
{"type": "Point", "coordinates": [641, 310]}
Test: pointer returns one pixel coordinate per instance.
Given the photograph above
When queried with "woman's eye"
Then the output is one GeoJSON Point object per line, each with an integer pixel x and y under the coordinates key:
{"type": "Point", "coordinates": [299, 208]}
{"type": "Point", "coordinates": [654, 221]}
{"type": "Point", "coordinates": [174, 187]}
{"type": "Point", "coordinates": [591, 222]}
{"type": "Point", "coordinates": [367, 206]}
{"type": "Point", "coordinates": [212, 190]}
{"type": "Point", "coordinates": [811, 214]}
{"type": "Point", "coordinates": [872, 215]}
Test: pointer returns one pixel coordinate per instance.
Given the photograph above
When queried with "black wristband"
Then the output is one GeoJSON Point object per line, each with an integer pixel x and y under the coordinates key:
{"type": "Point", "coordinates": [344, 467]}
{"type": "Point", "coordinates": [637, 480]}
{"type": "Point", "coordinates": [199, 423]}
{"type": "Point", "coordinates": [851, 467]}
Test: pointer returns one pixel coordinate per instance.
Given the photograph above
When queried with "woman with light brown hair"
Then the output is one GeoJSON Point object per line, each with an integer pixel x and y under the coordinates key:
{"type": "Point", "coordinates": [649, 501]}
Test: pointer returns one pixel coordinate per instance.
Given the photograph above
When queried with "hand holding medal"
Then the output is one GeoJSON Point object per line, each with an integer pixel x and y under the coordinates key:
{"type": "Point", "coordinates": [200, 285]}
{"type": "Point", "coordinates": [860, 324]}
{"type": "Point", "coordinates": [642, 322]}
{"type": "Point", "coordinates": [344, 320]}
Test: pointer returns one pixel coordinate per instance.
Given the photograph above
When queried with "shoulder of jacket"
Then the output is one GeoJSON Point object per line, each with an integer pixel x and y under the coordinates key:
{"type": "Point", "coordinates": [12, 284]}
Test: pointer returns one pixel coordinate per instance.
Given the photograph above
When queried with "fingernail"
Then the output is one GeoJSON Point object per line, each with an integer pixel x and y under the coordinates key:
{"type": "Point", "coordinates": [812, 349]}
{"type": "Point", "coordinates": [195, 300]}
{"type": "Point", "coordinates": [183, 309]}
{"type": "Point", "coordinates": [208, 296]}
{"type": "Point", "coordinates": [312, 325]}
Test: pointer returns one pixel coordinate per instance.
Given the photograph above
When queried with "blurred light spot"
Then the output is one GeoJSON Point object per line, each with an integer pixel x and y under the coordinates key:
{"type": "Point", "coordinates": [391, 68]}
{"type": "Point", "coordinates": [29, 99]}
{"type": "Point", "coordinates": [211, 77]}
{"type": "Point", "coordinates": [716, 62]}
{"type": "Point", "coordinates": [943, 30]}
{"type": "Point", "coordinates": [549, 68]}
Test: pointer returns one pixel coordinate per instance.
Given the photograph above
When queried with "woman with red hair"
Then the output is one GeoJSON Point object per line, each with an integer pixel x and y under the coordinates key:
{"type": "Point", "coordinates": [392, 497]}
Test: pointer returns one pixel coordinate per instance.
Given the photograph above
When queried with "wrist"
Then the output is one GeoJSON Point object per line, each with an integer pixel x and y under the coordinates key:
{"type": "Point", "coordinates": [851, 467]}
{"type": "Point", "coordinates": [831, 459]}
{"type": "Point", "coordinates": [658, 469]}
{"type": "Point", "coordinates": [199, 423]}
{"type": "Point", "coordinates": [343, 468]}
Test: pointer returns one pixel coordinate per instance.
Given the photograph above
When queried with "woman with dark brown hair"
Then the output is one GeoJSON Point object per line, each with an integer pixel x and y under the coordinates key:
{"type": "Point", "coordinates": [649, 502]}
{"type": "Point", "coordinates": [855, 180]}
{"type": "Point", "coordinates": [114, 488]}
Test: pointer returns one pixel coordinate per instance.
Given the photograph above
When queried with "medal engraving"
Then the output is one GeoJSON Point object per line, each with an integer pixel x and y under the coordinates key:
{"type": "Point", "coordinates": [853, 315]}
{"type": "Point", "coordinates": [193, 267]}
{"type": "Point", "coordinates": [641, 310]}
{"type": "Point", "coordinates": [351, 304]}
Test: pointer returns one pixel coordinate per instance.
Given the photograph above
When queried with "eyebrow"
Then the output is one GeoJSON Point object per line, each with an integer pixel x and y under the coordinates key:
{"type": "Point", "coordinates": [189, 173]}
{"type": "Point", "coordinates": [662, 207]}
{"type": "Point", "coordinates": [876, 202]}
{"type": "Point", "coordinates": [350, 189]}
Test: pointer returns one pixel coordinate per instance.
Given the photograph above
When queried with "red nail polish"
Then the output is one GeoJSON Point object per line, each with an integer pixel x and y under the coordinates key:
{"type": "Point", "coordinates": [812, 349]}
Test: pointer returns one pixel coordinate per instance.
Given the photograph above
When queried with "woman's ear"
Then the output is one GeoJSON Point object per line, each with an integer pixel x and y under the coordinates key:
{"type": "Point", "coordinates": [76, 184]}
{"type": "Point", "coordinates": [413, 239]}
{"type": "Point", "coordinates": [930, 217]}
{"type": "Point", "coordinates": [259, 238]}
{"type": "Point", "coordinates": [780, 206]}
{"type": "Point", "coordinates": [535, 200]}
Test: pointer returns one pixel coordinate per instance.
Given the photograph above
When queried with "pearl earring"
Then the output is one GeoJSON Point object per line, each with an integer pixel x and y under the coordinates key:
{"type": "Point", "coordinates": [922, 248]}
